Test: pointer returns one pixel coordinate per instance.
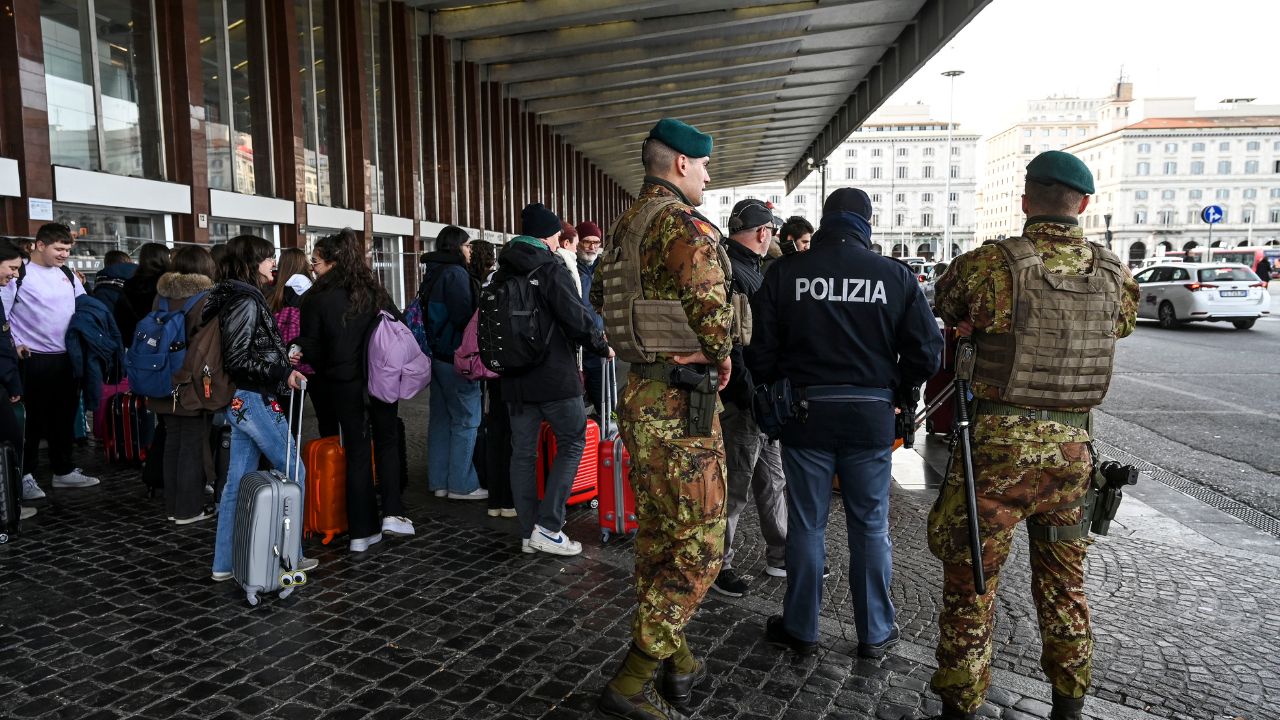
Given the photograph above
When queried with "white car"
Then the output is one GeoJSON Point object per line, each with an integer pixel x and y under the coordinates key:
{"type": "Point", "coordinates": [1176, 293]}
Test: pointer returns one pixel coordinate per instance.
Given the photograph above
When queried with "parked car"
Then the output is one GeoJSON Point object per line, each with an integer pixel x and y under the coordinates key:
{"type": "Point", "coordinates": [1177, 293]}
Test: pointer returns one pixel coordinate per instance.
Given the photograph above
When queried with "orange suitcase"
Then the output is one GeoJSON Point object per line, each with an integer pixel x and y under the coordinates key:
{"type": "Point", "coordinates": [326, 499]}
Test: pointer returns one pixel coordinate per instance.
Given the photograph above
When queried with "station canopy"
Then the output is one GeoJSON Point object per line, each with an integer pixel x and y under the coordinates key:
{"type": "Point", "coordinates": [775, 83]}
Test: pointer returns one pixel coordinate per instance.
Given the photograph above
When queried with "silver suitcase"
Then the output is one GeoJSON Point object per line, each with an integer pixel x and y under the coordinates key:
{"type": "Point", "coordinates": [265, 546]}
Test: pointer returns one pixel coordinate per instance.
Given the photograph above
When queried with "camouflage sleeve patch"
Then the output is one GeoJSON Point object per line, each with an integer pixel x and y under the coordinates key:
{"type": "Point", "coordinates": [976, 288]}
{"type": "Point", "coordinates": [690, 257]}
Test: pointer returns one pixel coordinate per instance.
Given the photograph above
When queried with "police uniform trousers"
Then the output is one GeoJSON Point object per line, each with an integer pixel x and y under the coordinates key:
{"type": "Point", "coordinates": [1015, 481]}
{"type": "Point", "coordinates": [680, 485]}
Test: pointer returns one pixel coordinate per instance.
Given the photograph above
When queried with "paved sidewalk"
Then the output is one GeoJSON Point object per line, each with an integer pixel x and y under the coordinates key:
{"type": "Point", "coordinates": [106, 611]}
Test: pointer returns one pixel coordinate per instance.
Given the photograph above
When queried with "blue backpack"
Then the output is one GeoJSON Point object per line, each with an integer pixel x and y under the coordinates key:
{"type": "Point", "coordinates": [158, 350]}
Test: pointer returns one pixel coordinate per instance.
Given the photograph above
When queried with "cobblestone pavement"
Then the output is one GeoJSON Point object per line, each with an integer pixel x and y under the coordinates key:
{"type": "Point", "coordinates": [106, 610]}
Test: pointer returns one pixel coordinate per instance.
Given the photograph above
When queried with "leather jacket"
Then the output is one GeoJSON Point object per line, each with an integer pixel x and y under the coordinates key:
{"type": "Point", "coordinates": [253, 354]}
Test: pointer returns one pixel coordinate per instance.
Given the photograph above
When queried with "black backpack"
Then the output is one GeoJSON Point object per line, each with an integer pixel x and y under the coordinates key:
{"type": "Point", "coordinates": [514, 329]}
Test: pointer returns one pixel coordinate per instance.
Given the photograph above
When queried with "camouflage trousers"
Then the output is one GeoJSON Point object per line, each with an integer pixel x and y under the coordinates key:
{"type": "Point", "coordinates": [680, 485]}
{"type": "Point", "coordinates": [1014, 482]}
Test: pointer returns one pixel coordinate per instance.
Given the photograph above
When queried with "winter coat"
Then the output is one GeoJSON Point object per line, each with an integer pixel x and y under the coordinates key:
{"type": "Point", "coordinates": [335, 345]}
{"type": "Point", "coordinates": [748, 275]}
{"type": "Point", "coordinates": [134, 304]}
{"type": "Point", "coordinates": [108, 284]}
{"type": "Point", "coordinates": [448, 295]}
{"type": "Point", "coordinates": [252, 352]}
{"type": "Point", "coordinates": [557, 378]}
{"type": "Point", "coordinates": [10, 377]}
{"type": "Point", "coordinates": [93, 346]}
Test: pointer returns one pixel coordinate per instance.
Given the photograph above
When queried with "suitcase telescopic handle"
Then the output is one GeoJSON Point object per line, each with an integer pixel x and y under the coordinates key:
{"type": "Point", "coordinates": [296, 456]}
{"type": "Point", "coordinates": [609, 395]}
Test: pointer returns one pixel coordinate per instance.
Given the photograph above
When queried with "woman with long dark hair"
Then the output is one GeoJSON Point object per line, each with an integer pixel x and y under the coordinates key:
{"type": "Point", "coordinates": [11, 257]}
{"type": "Point", "coordinates": [338, 316]}
{"type": "Point", "coordinates": [140, 290]}
{"type": "Point", "coordinates": [254, 356]}
{"type": "Point", "coordinates": [448, 295]}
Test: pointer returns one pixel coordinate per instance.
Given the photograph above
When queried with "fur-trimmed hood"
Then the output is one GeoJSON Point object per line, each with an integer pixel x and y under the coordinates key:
{"type": "Point", "coordinates": [178, 286]}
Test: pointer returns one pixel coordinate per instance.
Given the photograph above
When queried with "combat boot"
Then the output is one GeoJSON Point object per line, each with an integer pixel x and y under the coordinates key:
{"type": "Point", "coordinates": [1065, 708]}
{"type": "Point", "coordinates": [678, 686]}
{"type": "Point", "coordinates": [645, 705]}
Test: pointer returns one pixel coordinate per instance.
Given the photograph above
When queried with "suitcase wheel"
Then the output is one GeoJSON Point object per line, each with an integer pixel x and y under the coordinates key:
{"type": "Point", "coordinates": [251, 598]}
{"type": "Point", "coordinates": [604, 536]}
{"type": "Point", "coordinates": [595, 503]}
{"type": "Point", "coordinates": [285, 593]}
{"type": "Point", "coordinates": [4, 538]}
{"type": "Point", "coordinates": [928, 425]}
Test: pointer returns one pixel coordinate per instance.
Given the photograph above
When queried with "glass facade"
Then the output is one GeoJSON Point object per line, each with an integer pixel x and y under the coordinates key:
{"type": "Point", "coordinates": [321, 103]}
{"type": "Point", "coordinates": [374, 15]}
{"type": "Point", "coordinates": [101, 81]}
{"type": "Point", "coordinates": [98, 230]}
{"type": "Point", "coordinates": [386, 257]}
{"type": "Point", "coordinates": [221, 230]}
{"type": "Point", "coordinates": [237, 112]}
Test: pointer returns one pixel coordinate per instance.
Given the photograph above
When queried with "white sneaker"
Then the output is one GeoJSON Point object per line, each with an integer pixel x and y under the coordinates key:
{"type": "Point", "coordinates": [208, 489]}
{"type": "Point", "coordinates": [193, 519]}
{"type": "Point", "coordinates": [396, 525]}
{"type": "Point", "coordinates": [308, 564]}
{"type": "Point", "coordinates": [74, 479]}
{"type": "Point", "coordinates": [493, 512]}
{"type": "Point", "coordinates": [507, 512]}
{"type": "Point", "coordinates": [440, 493]}
{"type": "Point", "coordinates": [556, 543]}
{"type": "Point", "coordinates": [772, 571]}
{"type": "Point", "coordinates": [477, 494]}
{"type": "Point", "coordinates": [26, 512]}
{"type": "Point", "coordinates": [220, 576]}
{"type": "Point", "coordinates": [524, 547]}
{"type": "Point", "coordinates": [362, 544]}
{"type": "Point", "coordinates": [30, 490]}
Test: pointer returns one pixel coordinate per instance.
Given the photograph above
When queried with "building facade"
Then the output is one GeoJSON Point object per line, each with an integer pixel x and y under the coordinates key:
{"type": "Point", "coordinates": [1154, 177]}
{"type": "Point", "coordinates": [192, 121]}
{"type": "Point", "coordinates": [900, 158]}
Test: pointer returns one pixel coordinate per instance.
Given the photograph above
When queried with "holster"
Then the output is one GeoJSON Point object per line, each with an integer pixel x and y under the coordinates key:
{"type": "Point", "coordinates": [702, 382]}
{"type": "Point", "coordinates": [774, 405]}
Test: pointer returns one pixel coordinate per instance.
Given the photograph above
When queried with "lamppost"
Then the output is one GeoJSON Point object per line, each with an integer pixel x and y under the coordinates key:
{"type": "Point", "coordinates": [946, 232]}
{"type": "Point", "coordinates": [1106, 218]}
{"type": "Point", "coordinates": [821, 167]}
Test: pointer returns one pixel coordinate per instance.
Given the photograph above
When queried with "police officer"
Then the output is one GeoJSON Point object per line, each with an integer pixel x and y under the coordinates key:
{"type": "Point", "coordinates": [663, 249]}
{"type": "Point", "coordinates": [846, 329]}
{"type": "Point", "coordinates": [755, 461]}
{"type": "Point", "coordinates": [1034, 384]}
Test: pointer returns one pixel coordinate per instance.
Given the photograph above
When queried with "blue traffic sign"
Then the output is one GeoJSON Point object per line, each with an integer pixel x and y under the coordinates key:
{"type": "Point", "coordinates": [1211, 214]}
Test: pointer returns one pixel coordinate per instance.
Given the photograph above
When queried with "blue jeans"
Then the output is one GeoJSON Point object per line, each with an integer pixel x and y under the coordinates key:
{"type": "Point", "coordinates": [451, 430]}
{"type": "Point", "coordinates": [865, 474]}
{"type": "Point", "coordinates": [256, 429]}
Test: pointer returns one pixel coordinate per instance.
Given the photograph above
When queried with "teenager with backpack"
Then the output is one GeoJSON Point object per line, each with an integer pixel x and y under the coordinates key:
{"type": "Point", "coordinates": [448, 298]}
{"type": "Point", "coordinates": [540, 379]}
{"type": "Point", "coordinates": [187, 457]}
{"type": "Point", "coordinates": [339, 314]}
{"type": "Point", "coordinates": [39, 305]}
{"type": "Point", "coordinates": [255, 359]}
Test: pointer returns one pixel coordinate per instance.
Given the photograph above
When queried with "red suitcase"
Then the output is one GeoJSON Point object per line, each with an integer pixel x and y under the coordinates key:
{"type": "Point", "coordinates": [325, 504]}
{"type": "Point", "coordinates": [939, 389]}
{"type": "Point", "coordinates": [584, 483]}
{"type": "Point", "coordinates": [617, 499]}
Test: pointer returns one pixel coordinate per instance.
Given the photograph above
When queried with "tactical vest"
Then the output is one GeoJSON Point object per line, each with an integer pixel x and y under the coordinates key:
{"type": "Point", "coordinates": [1060, 350]}
{"type": "Point", "coordinates": [639, 328]}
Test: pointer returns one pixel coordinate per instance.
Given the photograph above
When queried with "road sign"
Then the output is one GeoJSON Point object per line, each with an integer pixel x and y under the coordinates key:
{"type": "Point", "coordinates": [1211, 214]}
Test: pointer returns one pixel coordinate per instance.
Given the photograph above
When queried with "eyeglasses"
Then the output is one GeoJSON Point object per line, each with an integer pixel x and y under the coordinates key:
{"type": "Point", "coordinates": [592, 243]}
{"type": "Point", "coordinates": [315, 261]}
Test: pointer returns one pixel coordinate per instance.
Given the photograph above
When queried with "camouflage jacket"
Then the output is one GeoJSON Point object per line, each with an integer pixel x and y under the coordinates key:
{"type": "Point", "coordinates": [978, 288]}
{"type": "Point", "coordinates": [679, 262]}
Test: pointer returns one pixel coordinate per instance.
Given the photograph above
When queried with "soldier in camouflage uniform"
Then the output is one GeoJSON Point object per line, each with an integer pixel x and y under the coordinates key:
{"type": "Point", "coordinates": [679, 480]}
{"type": "Point", "coordinates": [1032, 461]}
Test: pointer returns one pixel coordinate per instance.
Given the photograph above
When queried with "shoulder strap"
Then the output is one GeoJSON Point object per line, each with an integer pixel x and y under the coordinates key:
{"type": "Point", "coordinates": [190, 303]}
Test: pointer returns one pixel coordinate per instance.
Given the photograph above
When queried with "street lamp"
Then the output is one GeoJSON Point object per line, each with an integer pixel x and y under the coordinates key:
{"type": "Point", "coordinates": [821, 167]}
{"type": "Point", "coordinates": [946, 232]}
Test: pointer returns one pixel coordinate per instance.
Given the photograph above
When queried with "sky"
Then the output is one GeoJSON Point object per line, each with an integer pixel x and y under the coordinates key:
{"type": "Point", "coordinates": [1018, 50]}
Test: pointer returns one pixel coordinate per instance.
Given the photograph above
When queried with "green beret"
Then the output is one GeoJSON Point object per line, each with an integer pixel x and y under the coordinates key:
{"type": "Point", "coordinates": [681, 137]}
{"type": "Point", "coordinates": [1057, 167]}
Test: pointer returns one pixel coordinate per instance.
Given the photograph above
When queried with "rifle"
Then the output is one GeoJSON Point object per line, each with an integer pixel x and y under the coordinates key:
{"type": "Point", "coordinates": [965, 356]}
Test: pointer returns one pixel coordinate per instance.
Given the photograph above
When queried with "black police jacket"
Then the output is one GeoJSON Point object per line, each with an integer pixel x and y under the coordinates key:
{"type": "Point", "coordinates": [252, 352]}
{"type": "Point", "coordinates": [841, 314]}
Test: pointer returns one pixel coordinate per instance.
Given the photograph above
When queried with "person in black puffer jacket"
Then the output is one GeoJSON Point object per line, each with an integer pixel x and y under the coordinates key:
{"type": "Point", "coordinates": [338, 316]}
{"type": "Point", "coordinates": [255, 358]}
{"type": "Point", "coordinates": [139, 292]}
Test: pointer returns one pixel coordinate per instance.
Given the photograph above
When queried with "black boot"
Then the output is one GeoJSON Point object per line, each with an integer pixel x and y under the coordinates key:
{"type": "Point", "coordinates": [678, 686]}
{"type": "Point", "coordinates": [1065, 708]}
{"type": "Point", "coordinates": [646, 705]}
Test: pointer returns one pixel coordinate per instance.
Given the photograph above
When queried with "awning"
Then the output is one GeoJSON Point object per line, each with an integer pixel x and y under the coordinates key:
{"type": "Point", "coordinates": [775, 83]}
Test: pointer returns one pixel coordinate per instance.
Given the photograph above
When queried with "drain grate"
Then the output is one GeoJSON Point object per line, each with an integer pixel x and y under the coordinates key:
{"type": "Point", "coordinates": [1250, 516]}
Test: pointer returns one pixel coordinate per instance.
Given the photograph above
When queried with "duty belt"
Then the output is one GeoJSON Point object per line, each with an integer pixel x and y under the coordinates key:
{"type": "Point", "coordinates": [847, 393]}
{"type": "Point", "coordinates": [1079, 420]}
{"type": "Point", "coordinates": [654, 371]}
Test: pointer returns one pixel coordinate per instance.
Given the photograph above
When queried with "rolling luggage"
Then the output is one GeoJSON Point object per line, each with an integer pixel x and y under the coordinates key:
{"type": "Point", "coordinates": [130, 427]}
{"type": "Point", "coordinates": [939, 389]}
{"type": "Point", "coordinates": [10, 493]}
{"type": "Point", "coordinates": [326, 500]}
{"type": "Point", "coordinates": [617, 499]}
{"type": "Point", "coordinates": [584, 488]}
{"type": "Point", "coordinates": [266, 544]}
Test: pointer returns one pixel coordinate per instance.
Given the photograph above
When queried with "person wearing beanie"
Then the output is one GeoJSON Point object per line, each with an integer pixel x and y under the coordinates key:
{"type": "Point", "coordinates": [1032, 418]}
{"type": "Point", "coordinates": [448, 295]}
{"type": "Point", "coordinates": [853, 328]}
{"type": "Point", "coordinates": [678, 468]}
{"type": "Point", "coordinates": [590, 243]}
{"type": "Point", "coordinates": [552, 391]}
